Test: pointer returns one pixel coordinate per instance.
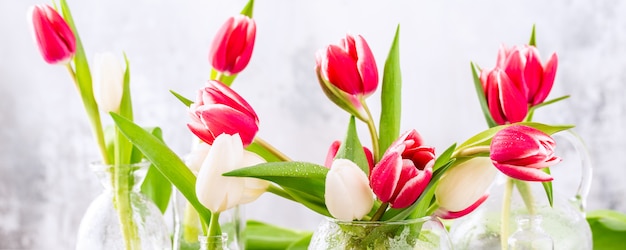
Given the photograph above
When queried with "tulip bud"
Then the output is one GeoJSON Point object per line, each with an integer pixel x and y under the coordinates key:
{"type": "Point", "coordinates": [404, 171]}
{"type": "Point", "coordinates": [332, 153]}
{"type": "Point", "coordinates": [506, 102]}
{"type": "Point", "coordinates": [464, 187]}
{"type": "Point", "coordinates": [219, 193]}
{"type": "Point", "coordinates": [232, 46]}
{"type": "Point", "coordinates": [348, 195]}
{"type": "Point", "coordinates": [524, 68]}
{"type": "Point", "coordinates": [347, 72]}
{"type": "Point", "coordinates": [220, 110]}
{"type": "Point", "coordinates": [521, 152]}
{"type": "Point", "coordinates": [108, 82]}
{"type": "Point", "coordinates": [53, 36]}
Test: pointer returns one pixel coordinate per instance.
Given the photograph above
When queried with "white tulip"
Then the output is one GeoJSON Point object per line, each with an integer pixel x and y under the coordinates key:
{"type": "Point", "coordinates": [464, 184]}
{"type": "Point", "coordinates": [348, 195]}
{"type": "Point", "coordinates": [219, 193]}
{"type": "Point", "coordinates": [108, 82]}
{"type": "Point", "coordinates": [195, 159]}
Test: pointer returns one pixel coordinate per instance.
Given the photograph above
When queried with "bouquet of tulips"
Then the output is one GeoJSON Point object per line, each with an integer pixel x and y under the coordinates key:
{"type": "Point", "coordinates": [398, 177]}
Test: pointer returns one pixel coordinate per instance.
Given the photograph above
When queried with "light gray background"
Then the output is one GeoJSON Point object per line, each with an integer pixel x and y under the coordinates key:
{"type": "Point", "coordinates": [45, 142]}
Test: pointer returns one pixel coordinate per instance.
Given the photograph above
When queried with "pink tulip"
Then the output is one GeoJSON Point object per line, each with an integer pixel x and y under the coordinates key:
{"type": "Point", "coordinates": [332, 152]}
{"type": "Point", "coordinates": [232, 46]}
{"type": "Point", "coordinates": [506, 101]}
{"type": "Point", "coordinates": [523, 66]}
{"type": "Point", "coordinates": [521, 152]}
{"type": "Point", "coordinates": [349, 66]}
{"type": "Point", "coordinates": [54, 37]}
{"type": "Point", "coordinates": [404, 171]}
{"type": "Point", "coordinates": [220, 110]}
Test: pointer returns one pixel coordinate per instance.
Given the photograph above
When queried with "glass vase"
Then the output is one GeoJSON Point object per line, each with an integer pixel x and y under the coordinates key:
{"type": "Point", "coordinates": [492, 224]}
{"type": "Point", "coordinates": [530, 235]}
{"type": "Point", "coordinates": [121, 217]}
{"type": "Point", "coordinates": [214, 242]}
{"type": "Point", "coordinates": [422, 233]}
{"type": "Point", "coordinates": [188, 229]}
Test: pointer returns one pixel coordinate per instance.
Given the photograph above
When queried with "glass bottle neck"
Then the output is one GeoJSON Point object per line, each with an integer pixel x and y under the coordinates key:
{"type": "Point", "coordinates": [219, 242]}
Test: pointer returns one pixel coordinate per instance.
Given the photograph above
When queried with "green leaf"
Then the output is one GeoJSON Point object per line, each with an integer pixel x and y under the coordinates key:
{"type": "Point", "coordinates": [480, 92]}
{"type": "Point", "coordinates": [391, 97]}
{"type": "Point", "coordinates": [248, 9]}
{"type": "Point", "coordinates": [123, 147]}
{"type": "Point", "coordinates": [547, 186]}
{"type": "Point", "coordinates": [304, 182]}
{"type": "Point", "coordinates": [261, 235]}
{"type": "Point", "coordinates": [263, 152]}
{"type": "Point", "coordinates": [532, 41]}
{"type": "Point", "coordinates": [181, 98]}
{"type": "Point", "coordinates": [608, 229]}
{"type": "Point", "coordinates": [165, 160]}
{"type": "Point", "coordinates": [302, 176]}
{"type": "Point", "coordinates": [302, 243]}
{"type": "Point", "coordinates": [352, 149]}
{"type": "Point", "coordinates": [444, 158]}
{"type": "Point", "coordinates": [155, 186]}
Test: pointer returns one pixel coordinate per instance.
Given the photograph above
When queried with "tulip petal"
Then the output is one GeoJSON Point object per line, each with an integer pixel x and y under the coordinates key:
{"type": "Point", "coordinates": [413, 187]}
{"type": "Point", "coordinates": [514, 69]}
{"type": "Point", "coordinates": [512, 101]}
{"type": "Point", "coordinates": [341, 70]}
{"type": "Point", "coordinates": [385, 176]}
{"type": "Point", "coordinates": [54, 38]}
{"type": "Point", "coordinates": [442, 213]}
{"type": "Point", "coordinates": [533, 73]}
{"type": "Point", "coordinates": [347, 193]}
{"type": "Point", "coordinates": [523, 173]}
{"type": "Point", "coordinates": [548, 80]}
{"type": "Point", "coordinates": [366, 66]}
{"type": "Point", "coordinates": [225, 120]}
{"type": "Point", "coordinates": [465, 183]}
{"type": "Point", "coordinates": [218, 92]}
{"type": "Point", "coordinates": [219, 47]}
{"type": "Point", "coordinates": [214, 191]}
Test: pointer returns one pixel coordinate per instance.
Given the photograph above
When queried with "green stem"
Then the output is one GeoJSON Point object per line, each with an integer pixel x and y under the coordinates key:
{"type": "Point", "coordinates": [373, 134]}
{"type": "Point", "coordinates": [190, 224]}
{"type": "Point", "coordinates": [94, 117]}
{"type": "Point", "coordinates": [527, 196]}
{"type": "Point", "coordinates": [271, 149]}
{"type": "Point", "coordinates": [506, 211]}
{"type": "Point", "coordinates": [381, 210]}
{"type": "Point", "coordinates": [214, 228]}
{"type": "Point", "coordinates": [122, 198]}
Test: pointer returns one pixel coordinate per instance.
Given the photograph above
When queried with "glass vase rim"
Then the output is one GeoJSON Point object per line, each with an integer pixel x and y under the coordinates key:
{"type": "Point", "coordinates": [381, 222]}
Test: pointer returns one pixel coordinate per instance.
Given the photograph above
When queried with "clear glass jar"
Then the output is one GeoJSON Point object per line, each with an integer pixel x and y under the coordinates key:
{"type": "Point", "coordinates": [491, 224]}
{"type": "Point", "coordinates": [214, 242]}
{"type": "Point", "coordinates": [101, 225]}
{"type": "Point", "coordinates": [530, 235]}
{"type": "Point", "coordinates": [188, 230]}
{"type": "Point", "coordinates": [422, 233]}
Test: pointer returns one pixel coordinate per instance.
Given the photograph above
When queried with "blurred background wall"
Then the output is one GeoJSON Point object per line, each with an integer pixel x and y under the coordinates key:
{"type": "Point", "coordinates": [46, 144]}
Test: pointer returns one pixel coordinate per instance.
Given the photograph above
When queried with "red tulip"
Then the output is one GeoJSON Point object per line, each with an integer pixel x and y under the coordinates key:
{"type": "Point", "coordinates": [220, 110]}
{"type": "Point", "coordinates": [54, 37]}
{"type": "Point", "coordinates": [523, 66]}
{"type": "Point", "coordinates": [349, 66]}
{"type": "Point", "coordinates": [404, 171]}
{"type": "Point", "coordinates": [332, 152]}
{"type": "Point", "coordinates": [506, 101]}
{"type": "Point", "coordinates": [232, 46]}
{"type": "Point", "coordinates": [521, 152]}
